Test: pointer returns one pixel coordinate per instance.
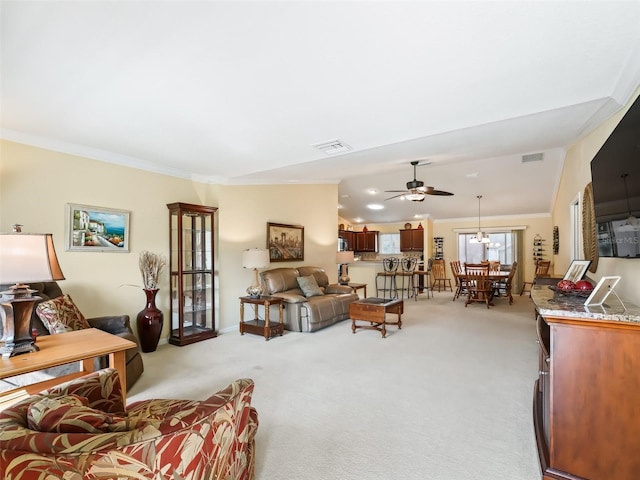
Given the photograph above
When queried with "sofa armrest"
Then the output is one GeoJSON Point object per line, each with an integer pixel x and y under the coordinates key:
{"type": "Point", "coordinates": [231, 404]}
{"type": "Point", "coordinates": [101, 388]}
{"type": "Point", "coordinates": [336, 288]}
{"type": "Point", "coordinates": [114, 324]}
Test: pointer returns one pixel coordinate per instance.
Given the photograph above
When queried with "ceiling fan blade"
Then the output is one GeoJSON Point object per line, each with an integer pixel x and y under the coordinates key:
{"type": "Point", "coordinates": [395, 191]}
{"type": "Point", "coordinates": [439, 192]}
{"type": "Point", "coordinates": [396, 196]}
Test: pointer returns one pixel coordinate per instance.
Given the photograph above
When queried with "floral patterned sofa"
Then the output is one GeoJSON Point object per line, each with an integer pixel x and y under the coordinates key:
{"type": "Point", "coordinates": [82, 430]}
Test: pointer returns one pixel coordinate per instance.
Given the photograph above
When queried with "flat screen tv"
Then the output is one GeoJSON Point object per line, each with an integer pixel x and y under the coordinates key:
{"type": "Point", "coordinates": [615, 174]}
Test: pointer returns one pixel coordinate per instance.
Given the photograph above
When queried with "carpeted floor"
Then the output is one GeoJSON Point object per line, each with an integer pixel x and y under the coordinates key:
{"type": "Point", "coordinates": [448, 397]}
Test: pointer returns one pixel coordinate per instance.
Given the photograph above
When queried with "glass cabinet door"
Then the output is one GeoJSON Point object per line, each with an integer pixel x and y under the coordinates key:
{"type": "Point", "coordinates": [191, 265]}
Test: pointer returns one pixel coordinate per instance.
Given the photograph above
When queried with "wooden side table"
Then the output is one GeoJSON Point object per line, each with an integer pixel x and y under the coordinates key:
{"type": "Point", "coordinates": [358, 286]}
{"type": "Point", "coordinates": [258, 326]}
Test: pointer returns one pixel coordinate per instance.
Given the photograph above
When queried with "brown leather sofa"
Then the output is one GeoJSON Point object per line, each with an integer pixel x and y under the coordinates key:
{"type": "Point", "coordinates": [117, 325]}
{"type": "Point", "coordinates": [308, 314]}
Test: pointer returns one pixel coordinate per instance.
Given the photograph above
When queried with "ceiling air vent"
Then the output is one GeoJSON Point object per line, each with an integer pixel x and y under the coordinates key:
{"type": "Point", "coordinates": [533, 157]}
{"type": "Point", "coordinates": [333, 147]}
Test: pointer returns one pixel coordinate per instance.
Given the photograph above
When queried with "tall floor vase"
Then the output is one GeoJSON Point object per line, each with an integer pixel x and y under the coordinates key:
{"type": "Point", "coordinates": [149, 323]}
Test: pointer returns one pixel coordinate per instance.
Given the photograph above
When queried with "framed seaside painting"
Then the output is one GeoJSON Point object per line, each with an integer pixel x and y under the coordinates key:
{"type": "Point", "coordinates": [285, 242]}
{"type": "Point", "coordinates": [96, 229]}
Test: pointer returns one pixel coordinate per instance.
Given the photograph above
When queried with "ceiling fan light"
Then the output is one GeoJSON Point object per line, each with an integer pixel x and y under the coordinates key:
{"type": "Point", "coordinates": [415, 197]}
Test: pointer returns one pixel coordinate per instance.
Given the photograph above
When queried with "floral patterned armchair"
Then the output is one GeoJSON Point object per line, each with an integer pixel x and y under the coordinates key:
{"type": "Point", "coordinates": [82, 430]}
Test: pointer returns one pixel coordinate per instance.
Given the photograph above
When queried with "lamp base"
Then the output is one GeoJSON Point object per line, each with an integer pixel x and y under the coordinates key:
{"type": "Point", "coordinates": [254, 291]}
{"type": "Point", "coordinates": [16, 326]}
{"type": "Point", "coordinates": [343, 279]}
{"type": "Point", "coordinates": [13, 349]}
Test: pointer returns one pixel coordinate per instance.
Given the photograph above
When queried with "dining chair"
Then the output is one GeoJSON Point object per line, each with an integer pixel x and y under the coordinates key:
{"type": "Point", "coordinates": [503, 288]}
{"type": "Point", "coordinates": [458, 275]}
{"type": "Point", "coordinates": [439, 272]}
{"type": "Point", "coordinates": [388, 276]}
{"type": "Point", "coordinates": [406, 274]}
{"type": "Point", "coordinates": [494, 266]}
{"type": "Point", "coordinates": [476, 268]}
{"type": "Point", "coordinates": [542, 270]}
{"type": "Point", "coordinates": [479, 288]}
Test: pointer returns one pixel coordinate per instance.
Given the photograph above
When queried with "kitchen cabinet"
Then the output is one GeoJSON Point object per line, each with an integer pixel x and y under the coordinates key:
{"type": "Point", "coordinates": [412, 240]}
{"type": "Point", "coordinates": [349, 237]}
{"type": "Point", "coordinates": [191, 266]}
{"type": "Point", "coordinates": [366, 241]}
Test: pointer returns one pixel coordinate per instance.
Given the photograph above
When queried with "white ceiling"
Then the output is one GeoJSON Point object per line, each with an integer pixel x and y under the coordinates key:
{"type": "Point", "coordinates": [238, 92]}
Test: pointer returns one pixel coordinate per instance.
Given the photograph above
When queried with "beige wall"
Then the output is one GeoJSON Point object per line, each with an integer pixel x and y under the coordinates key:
{"type": "Point", "coordinates": [576, 175]}
{"type": "Point", "coordinates": [535, 224]}
{"type": "Point", "coordinates": [36, 185]}
{"type": "Point", "coordinates": [244, 213]}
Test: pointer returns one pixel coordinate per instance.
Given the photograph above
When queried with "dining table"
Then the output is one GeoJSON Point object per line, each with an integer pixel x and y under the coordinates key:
{"type": "Point", "coordinates": [495, 276]}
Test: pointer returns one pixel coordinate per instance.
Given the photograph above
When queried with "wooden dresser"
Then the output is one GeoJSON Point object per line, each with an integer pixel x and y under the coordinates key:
{"type": "Point", "coordinates": [586, 400]}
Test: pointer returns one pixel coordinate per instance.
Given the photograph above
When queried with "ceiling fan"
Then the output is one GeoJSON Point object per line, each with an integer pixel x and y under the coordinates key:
{"type": "Point", "coordinates": [416, 190]}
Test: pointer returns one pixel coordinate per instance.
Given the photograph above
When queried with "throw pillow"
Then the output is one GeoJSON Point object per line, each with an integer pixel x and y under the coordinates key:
{"type": "Point", "coordinates": [309, 286]}
{"type": "Point", "coordinates": [68, 414]}
{"type": "Point", "coordinates": [61, 315]}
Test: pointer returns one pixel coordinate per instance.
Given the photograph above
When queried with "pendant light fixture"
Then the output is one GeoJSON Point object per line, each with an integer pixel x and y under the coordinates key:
{"type": "Point", "coordinates": [479, 237]}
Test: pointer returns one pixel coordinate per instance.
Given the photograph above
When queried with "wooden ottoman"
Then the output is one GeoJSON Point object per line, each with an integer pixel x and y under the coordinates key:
{"type": "Point", "coordinates": [374, 311]}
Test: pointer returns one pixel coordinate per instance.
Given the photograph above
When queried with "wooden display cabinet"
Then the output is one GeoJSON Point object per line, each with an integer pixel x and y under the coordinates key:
{"type": "Point", "coordinates": [191, 266]}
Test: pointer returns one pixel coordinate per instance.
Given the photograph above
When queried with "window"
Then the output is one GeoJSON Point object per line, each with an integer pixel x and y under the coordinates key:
{"type": "Point", "coordinates": [389, 242]}
{"type": "Point", "coordinates": [500, 248]}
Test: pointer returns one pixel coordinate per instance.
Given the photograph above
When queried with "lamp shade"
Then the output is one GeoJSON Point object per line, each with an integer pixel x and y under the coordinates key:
{"type": "Point", "coordinates": [344, 257]}
{"type": "Point", "coordinates": [255, 258]}
{"type": "Point", "coordinates": [28, 257]}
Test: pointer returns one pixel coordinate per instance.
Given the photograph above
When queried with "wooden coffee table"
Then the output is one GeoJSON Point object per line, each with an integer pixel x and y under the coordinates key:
{"type": "Point", "coordinates": [374, 311]}
{"type": "Point", "coordinates": [77, 346]}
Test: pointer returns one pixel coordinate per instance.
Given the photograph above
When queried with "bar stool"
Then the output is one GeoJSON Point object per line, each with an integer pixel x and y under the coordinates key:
{"type": "Point", "coordinates": [408, 265]}
{"type": "Point", "coordinates": [390, 265]}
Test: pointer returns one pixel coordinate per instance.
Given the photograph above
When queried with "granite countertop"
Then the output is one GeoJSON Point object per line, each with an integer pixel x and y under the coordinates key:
{"type": "Point", "coordinates": [550, 303]}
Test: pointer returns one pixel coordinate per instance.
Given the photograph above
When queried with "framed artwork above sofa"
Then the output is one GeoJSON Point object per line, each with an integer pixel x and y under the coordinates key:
{"type": "Point", "coordinates": [285, 242]}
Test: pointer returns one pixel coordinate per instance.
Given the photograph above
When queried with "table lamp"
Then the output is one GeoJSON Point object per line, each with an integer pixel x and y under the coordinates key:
{"type": "Point", "coordinates": [255, 258]}
{"type": "Point", "coordinates": [343, 259]}
{"type": "Point", "coordinates": [24, 258]}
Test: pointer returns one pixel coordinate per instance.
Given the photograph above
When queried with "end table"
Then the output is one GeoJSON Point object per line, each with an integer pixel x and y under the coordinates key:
{"type": "Point", "coordinates": [261, 327]}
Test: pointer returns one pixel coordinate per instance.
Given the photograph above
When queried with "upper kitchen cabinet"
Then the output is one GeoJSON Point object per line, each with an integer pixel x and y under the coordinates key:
{"type": "Point", "coordinates": [366, 241]}
{"type": "Point", "coordinates": [349, 239]}
{"type": "Point", "coordinates": [412, 240]}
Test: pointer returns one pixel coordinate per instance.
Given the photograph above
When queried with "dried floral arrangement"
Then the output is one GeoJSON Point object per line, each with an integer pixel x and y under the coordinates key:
{"type": "Point", "coordinates": [151, 264]}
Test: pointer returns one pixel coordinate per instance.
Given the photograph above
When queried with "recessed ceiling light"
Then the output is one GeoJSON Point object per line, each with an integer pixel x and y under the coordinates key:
{"type": "Point", "coordinates": [372, 191]}
{"type": "Point", "coordinates": [357, 220]}
{"type": "Point", "coordinates": [340, 206]}
{"type": "Point", "coordinates": [418, 215]}
{"type": "Point", "coordinates": [472, 175]}
{"type": "Point", "coordinates": [375, 206]}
